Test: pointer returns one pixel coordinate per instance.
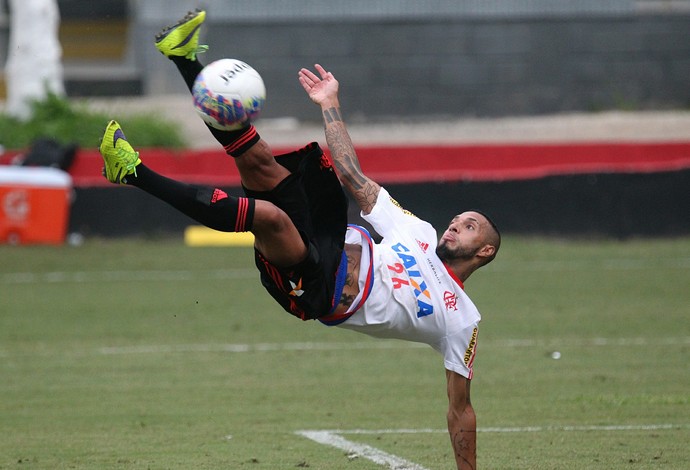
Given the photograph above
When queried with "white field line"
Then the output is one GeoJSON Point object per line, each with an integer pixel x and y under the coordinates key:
{"type": "Point", "coordinates": [83, 277]}
{"type": "Point", "coordinates": [354, 450]}
{"type": "Point", "coordinates": [80, 277]}
{"type": "Point", "coordinates": [586, 342]}
{"type": "Point", "coordinates": [511, 429]}
{"type": "Point", "coordinates": [238, 348]}
{"type": "Point", "coordinates": [334, 438]}
{"type": "Point", "coordinates": [613, 264]}
{"type": "Point", "coordinates": [259, 347]}
{"type": "Point", "coordinates": [383, 344]}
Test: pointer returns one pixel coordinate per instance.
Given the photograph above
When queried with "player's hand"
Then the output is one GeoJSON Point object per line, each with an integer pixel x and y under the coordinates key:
{"type": "Point", "coordinates": [321, 90]}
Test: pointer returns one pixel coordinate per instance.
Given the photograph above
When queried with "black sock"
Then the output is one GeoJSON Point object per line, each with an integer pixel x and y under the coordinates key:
{"type": "Point", "coordinates": [235, 142]}
{"type": "Point", "coordinates": [207, 205]}
{"type": "Point", "coordinates": [189, 69]}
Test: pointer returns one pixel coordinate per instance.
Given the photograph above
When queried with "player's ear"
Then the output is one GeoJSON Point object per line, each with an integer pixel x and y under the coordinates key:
{"type": "Point", "coordinates": [487, 251]}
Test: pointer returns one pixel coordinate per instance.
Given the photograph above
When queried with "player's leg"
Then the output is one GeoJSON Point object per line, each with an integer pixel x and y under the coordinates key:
{"type": "Point", "coordinates": [275, 234]}
{"type": "Point", "coordinates": [255, 162]}
{"type": "Point", "coordinates": [259, 171]}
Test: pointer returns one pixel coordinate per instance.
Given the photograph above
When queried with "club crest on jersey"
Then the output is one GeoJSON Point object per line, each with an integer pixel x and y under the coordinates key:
{"type": "Point", "coordinates": [416, 281]}
{"type": "Point", "coordinates": [451, 300]}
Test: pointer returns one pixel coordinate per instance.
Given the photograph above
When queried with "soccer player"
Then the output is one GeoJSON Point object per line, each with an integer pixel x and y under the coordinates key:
{"type": "Point", "coordinates": [409, 286]}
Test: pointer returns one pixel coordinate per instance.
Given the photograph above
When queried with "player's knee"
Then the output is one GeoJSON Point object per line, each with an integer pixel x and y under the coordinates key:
{"type": "Point", "coordinates": [270, 218]}
{"type": "Point", "coordinates": [276, 237]}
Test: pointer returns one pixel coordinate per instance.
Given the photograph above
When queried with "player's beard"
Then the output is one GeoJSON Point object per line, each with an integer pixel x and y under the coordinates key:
{"type": "Point", "coordinates": [461, 252]}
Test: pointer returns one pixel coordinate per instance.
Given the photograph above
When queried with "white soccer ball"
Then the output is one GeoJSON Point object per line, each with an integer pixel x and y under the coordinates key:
{"type": "Point", "coordinates": [228, 94]}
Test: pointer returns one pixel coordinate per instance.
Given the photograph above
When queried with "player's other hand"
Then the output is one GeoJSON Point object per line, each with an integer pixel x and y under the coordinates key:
{"type": "Point", "coordinates": [322, 89]}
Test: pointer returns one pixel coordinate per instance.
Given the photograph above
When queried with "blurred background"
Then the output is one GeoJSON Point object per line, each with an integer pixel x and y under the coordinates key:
{"type": "Point", "coordinates": [568, 121]}
{"type": "Point", "coordinates": [400, 58]}
{"type": "Point", "coordinates": [558, 117]}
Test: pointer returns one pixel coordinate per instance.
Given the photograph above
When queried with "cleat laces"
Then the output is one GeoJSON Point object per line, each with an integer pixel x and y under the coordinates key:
{"type": "Point", "coordinates": [129, 160]}
{"type": "Point", "coordinates": [201, 48]}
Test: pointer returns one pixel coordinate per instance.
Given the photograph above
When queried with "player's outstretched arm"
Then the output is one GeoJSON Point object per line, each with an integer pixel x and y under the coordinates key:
{"type": "Point", "coordinates": [462, 422]}
{"type": "Point", "coordinates": [323, 90]}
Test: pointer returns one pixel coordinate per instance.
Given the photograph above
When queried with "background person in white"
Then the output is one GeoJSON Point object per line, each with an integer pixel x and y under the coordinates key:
{"type": "Point", "coordinates": [470, 241]}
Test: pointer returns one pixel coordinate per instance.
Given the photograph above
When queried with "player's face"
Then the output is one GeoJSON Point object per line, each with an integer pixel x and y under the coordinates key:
{"type": "Point", "coordinates": [463, 238]}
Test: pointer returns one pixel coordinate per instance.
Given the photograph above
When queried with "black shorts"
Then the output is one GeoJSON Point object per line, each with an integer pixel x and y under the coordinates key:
{"type": "Point", "coordinates": [315, 202]}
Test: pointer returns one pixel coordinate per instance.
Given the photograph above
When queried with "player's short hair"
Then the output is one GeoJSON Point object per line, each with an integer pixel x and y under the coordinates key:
{"type": "Point", "coordinates": [494, 239]}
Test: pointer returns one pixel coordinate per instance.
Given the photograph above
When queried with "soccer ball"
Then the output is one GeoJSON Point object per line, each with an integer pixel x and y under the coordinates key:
{"type": "Point", "coordinates": [228, 94]}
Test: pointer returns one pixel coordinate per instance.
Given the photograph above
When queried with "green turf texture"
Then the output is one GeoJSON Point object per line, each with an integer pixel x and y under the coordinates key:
{"type": "Point", "coordinates": [124, 354]}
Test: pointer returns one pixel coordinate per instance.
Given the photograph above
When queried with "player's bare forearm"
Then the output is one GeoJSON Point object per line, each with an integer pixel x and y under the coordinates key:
{"type": "Point", "coordinates": [462, 422]}
{"type": "Point", "coordinates": [363, 189]}
{"type": "Point", "coordinates": [323, 90]}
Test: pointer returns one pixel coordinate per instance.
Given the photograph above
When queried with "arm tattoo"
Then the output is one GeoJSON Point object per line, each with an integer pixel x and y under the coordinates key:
{"type": "Point", "coordinates": [364, 190]}
{"type": "Point", "coordinates": [352, 264]}
{"type": "Point", "coordinates": [331, 115]}
{"type": "Point", "coordinates": [347, 299]}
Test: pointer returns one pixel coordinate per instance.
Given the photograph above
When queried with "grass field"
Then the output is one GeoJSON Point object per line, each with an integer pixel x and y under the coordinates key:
{"type": "Point", "coordinates": [145, 354]}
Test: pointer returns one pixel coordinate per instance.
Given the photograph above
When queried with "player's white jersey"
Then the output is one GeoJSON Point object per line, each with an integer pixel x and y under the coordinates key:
{"type": "Point", "coordinates": [414, 296]}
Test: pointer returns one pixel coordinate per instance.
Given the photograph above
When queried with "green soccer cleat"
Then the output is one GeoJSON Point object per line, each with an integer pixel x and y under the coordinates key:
{"type": "Point", "coordinates": [182, 39]}
{"type": "Point", "coordinates": [119, 157]}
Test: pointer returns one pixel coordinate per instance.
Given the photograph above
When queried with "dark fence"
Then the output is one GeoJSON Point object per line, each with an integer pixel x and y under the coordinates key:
{"type": "Point", "coordinates": [619, 205]}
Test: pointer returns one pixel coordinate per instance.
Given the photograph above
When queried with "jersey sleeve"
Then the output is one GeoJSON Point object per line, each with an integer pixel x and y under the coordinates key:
{"type": "Point", "coordinates": [459, 350]}
{"type": "Point", "coordinates": [388, 215]}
